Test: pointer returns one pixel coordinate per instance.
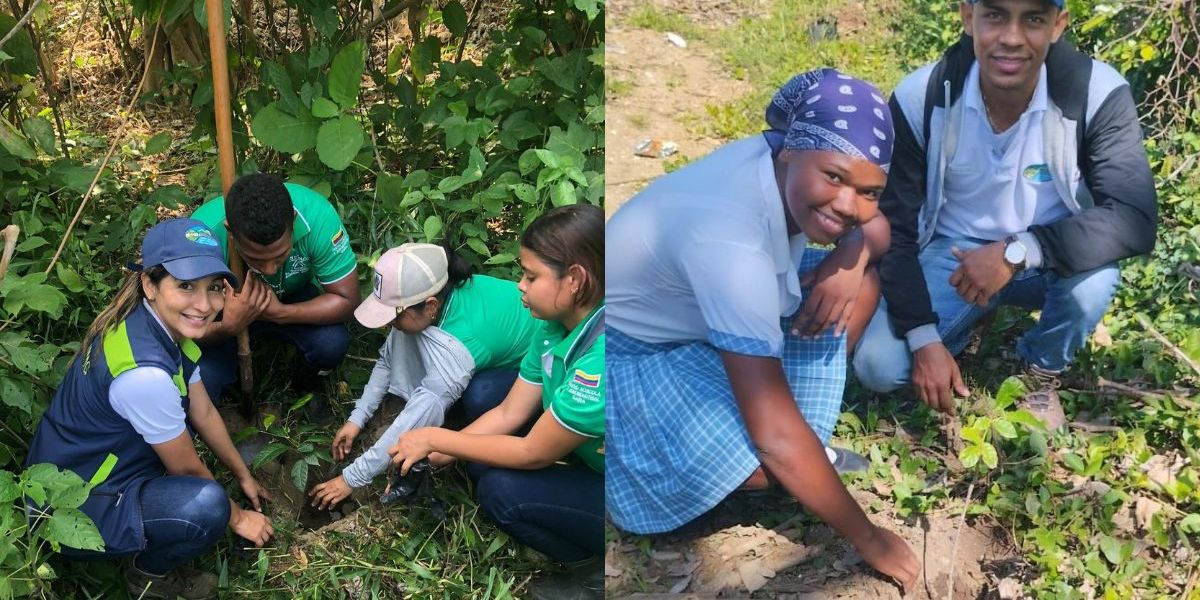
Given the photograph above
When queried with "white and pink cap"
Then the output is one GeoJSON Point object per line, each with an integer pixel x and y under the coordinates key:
{"type": "Point", "coordinates": [404, 276]}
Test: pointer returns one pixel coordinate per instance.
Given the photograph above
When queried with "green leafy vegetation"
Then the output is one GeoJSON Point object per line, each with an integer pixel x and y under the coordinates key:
{"type": "Point", "coordinates": [422, 121]}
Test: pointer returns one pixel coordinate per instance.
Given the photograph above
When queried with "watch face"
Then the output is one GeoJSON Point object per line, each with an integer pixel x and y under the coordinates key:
{"type": "Point", "coordinates": [1014, 253]}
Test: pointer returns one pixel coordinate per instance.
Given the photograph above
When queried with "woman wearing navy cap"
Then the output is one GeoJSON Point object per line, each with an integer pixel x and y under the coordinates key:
{"type": "Point", "coordinates": [134, 391]}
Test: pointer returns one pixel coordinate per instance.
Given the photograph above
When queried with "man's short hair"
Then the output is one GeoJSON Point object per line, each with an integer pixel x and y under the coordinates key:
{"type": "Point", "coordinates": [259, 208]}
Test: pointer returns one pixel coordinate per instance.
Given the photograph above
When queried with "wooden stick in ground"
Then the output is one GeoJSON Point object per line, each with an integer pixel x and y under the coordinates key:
{"type": "Point", "coordinates": [1162, 339]}
{"type": "Point", "coordinates": [224, 122]}
{"type": "Point", "coordinates": [10, 235]}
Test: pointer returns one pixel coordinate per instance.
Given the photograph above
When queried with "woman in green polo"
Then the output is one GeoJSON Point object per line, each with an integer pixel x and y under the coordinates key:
{"type": "Point", "coordinates": [546, 487]}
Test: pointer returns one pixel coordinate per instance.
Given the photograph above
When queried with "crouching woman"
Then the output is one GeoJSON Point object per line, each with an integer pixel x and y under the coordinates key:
{"type": "Point", "coordinates": [134, 391]}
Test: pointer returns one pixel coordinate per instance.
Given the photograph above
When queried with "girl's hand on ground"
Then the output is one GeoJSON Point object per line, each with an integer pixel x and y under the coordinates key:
{"type": "Point", "coordinates": [835, 285]}
{"type": "Point", "coordinates": [343, 440]}
{"type": "Point", "coordinates": [253, 526]}
{"type": "Point", "coordinates": [891, 556]}
{"type": "Point", "coordinates": [254, 491]}
{"type": "Point", "coordinates": [412, 446]}
{"type": "Point", "coordinates": [438, 460]}
{"type": "Point", "coordinates": [327, 495]}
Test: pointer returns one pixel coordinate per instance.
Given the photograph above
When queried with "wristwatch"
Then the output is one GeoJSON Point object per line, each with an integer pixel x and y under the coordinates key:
{"type": "Point", "coordinates": [1015, 253]}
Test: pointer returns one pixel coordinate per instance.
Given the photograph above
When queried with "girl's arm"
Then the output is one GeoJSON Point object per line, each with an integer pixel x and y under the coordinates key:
{"type": "Point", "coordinates": [791, 454]}
{"type": "Point", "coordinates": [545, 444]}
{"type": "Point", "coordinates": [377, 385]}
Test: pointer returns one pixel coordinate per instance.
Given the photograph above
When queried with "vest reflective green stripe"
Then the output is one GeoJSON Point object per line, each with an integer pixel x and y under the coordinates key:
{"type": "Point", "coordinates": [118, 353]}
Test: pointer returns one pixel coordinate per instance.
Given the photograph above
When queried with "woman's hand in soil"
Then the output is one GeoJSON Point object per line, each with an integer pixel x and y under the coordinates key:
{"type": "Point", "coordinates": [835, 285]}
{"type": "Point", "coordinates": [412, 447]}
{"type": "Point", "coordinates": [254, 491]}
{"type": "Point", "coordinates": [326, 495]}
{"type": "Point", "coordinates": [343, 440]}
{"type": "Point", "coordinates": [253, 526]}
{"type": "Point", "coordinates": [891, 556]}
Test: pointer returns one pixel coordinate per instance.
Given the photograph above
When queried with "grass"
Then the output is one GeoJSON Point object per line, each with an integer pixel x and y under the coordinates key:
{"type": "Point", "coordinates": [649, 16]}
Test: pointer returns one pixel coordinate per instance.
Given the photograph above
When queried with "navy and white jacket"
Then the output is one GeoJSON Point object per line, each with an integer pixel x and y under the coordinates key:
{"type": "Point", "coordinates": [1093, 148]}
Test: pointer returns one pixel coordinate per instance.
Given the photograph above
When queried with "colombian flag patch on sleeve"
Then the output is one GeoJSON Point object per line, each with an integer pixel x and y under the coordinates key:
{"type": "Point", "coordinates": [587, 380]}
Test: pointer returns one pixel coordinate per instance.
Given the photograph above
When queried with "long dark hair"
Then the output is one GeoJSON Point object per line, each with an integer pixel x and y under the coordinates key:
{"type": "Point", "coordinates": [458, 272]}
{"type": "Point", "coordinates": [571, 235]}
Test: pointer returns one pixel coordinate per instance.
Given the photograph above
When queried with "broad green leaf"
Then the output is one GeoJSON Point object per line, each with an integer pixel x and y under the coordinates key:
{"type": "Point", "coordinates": [169, 196]}
{"type": "Point", "coordinates": [432, 227]}
{"type": "Point", "coordinates": [318, 56]}
{"type": "Point", "coordinates": [528, 162]}
{"type": "Point", "coordinates": [589, 7]}
{"type": "Point", "coordinates": [454, 17]}
{"type": "Point", "coordinates": [500, 259]}
{"type": "Point", "coordinates": [70, 527]}
{"type": "Point", "coordinates": [300, 474]}
{"type": "Point", "coordinates": [478, 246]}
{"type": "Point", "coordinates": [345, 75]}
{"type": "Point", "coordinates": [416, 179]}
{"type": "Point", "coordinates": [271, 452]}
{"type": "Point", "coordinates": [32, 243]}
{"type": "Point", "coordinates": [1026, 419]}
{"type": "Point", "coordinates": [19, 48]}
{"type": "Point", "coordinates": [1011, 390]}
{"type": "Point", "coordinates": [70, 279]}
{"type": "Point", "coordinates": [279, 79]}
{"type": "Point", "coordinates": [284, 132]}
{"type": "Point", "coordinates": [969, 456]}
{"type": "Point", "coordinates": [389, 189]}
{"type": "Point", "coordinates": [411, 198]}
{"type": "Point", "coordinates": [524, 192]}
{"type": "Point", "coordinates": [424, 55]}
{"type": "Point", "coordinates": [1004, 428]}
{"type": "Point", "coordinates": [324, 109]}
{"type": "Point", "coordinates": [21, 292]}
{"type": "Point", "coordinates": [158, 143]}
{"type": "Point", "coordinates": [1073, 461]}
{"type": "Point", "coordinates": [14, 142]}
{"type": "Point", "coordinates": [339, 141]}
{"type": "Point", "coordinates": [16, 394]}
{"type": "Point", "coordinates": [1111, 548]}
{"type": "Point", "coordinates": [563, 193]}
{"type": "Point", "coordinates": [42, 132]}
{"type": "Point", "coordinates": [473, 173]}
{"type": "Point", "coordinates": [1190, 523]}
{"type": "Point", "coordinates": [325, 19]}
{"type": "Point", "coordinates": [988, 453]}
{"type": "Point", "coordinates": [8, 488]}
{"type": "Point", "coordinates": [25, 358]}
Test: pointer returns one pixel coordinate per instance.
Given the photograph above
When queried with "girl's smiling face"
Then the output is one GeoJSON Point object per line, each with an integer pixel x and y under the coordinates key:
{"type": "Point", "coordinates": [826, 194]}
{"type": "Point", "coordinates": [546, 295]}
{"type": "Point", "coordinates": [186, 308]}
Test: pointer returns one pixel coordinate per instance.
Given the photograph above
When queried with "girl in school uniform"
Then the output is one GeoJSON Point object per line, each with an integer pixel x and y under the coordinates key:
{"type": "Point", "coordinates": [134, 391]}
{"type": "Point", "coordinates": [729, 337]}
{"type": "Point", "coordinates": [546, 487]}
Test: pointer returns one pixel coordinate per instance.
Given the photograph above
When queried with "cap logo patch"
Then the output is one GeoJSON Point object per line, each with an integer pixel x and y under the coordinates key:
{"type": "Point", "coordinates": [201, 235]}
{"type": "Point", "coordinates": [378, 285]}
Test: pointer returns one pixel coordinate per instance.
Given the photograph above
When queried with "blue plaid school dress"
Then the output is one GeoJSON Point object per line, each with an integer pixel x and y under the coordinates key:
{"type": "Point", "coordinates": [676, 444]}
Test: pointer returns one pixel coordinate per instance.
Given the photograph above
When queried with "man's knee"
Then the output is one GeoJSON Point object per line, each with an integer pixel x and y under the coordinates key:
{"type": "Point", "coordinates": [208, 508]}
{"type": "Point", "coordinates": [878, 368]}
{"type": "Point", "coordinates": [326, 346]}
{"type": "Point", "coordinates": [1090, 293]}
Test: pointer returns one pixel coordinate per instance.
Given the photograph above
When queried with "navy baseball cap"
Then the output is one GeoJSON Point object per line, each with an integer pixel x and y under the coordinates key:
{"type": "Point", "coordinates": [1059, 3]}
{"type": "Point", "coordinates": [186, 248]}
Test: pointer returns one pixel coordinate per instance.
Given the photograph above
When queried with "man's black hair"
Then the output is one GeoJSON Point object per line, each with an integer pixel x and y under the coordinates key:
{"type": "Point", "coordinates": [259, 208]}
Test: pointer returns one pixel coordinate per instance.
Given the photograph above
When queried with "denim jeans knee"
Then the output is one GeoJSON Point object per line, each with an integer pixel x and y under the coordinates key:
{"type": "Point", "coordinates": [881, 361]}
{"type": "Point", "coordinates": [1071, 309]}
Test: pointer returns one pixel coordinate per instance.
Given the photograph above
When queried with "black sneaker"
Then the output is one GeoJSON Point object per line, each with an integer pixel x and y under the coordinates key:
{"type": "Point", "coordinates": [846, 461]}
{"type": "Point", "coordinates": [581, 581]}
{"type": "Point", "coordinates": [184, 582]}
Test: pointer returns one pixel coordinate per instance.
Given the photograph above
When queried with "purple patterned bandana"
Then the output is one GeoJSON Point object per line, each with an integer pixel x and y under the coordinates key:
{"type": "Point", "coordinates": [827, 110]}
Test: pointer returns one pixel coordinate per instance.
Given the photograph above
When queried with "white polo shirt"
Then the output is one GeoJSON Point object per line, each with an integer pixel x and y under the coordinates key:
{"type": "Point", "coordinates": [998, 184]}
{"type": "Point", "coordinates": [703, 254]}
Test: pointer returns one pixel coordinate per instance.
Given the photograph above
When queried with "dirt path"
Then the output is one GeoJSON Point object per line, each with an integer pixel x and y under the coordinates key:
{"type": "Point", "coordinates": [653, 86]}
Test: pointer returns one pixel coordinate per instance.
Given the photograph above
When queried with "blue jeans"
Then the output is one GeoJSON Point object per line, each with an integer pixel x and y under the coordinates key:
{"type": "Point", "coordinates": [486, 391]}
{"type": "Point", "coordinates": [322, 346]}
{"type": "Point", "coordinates": [183, 517]}
{"type": "Point", "coordinates": [1071, 307]}
{"type": "Point", "coordinates": [558, 510]}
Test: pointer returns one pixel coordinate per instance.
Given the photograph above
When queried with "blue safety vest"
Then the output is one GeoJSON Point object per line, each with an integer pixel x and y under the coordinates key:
{"type": "Point", "coordinates": [80, 429]}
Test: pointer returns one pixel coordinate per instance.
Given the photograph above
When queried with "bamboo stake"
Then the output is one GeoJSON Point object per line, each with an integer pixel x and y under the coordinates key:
{"type": "Point", "coordinates": [224, 117]}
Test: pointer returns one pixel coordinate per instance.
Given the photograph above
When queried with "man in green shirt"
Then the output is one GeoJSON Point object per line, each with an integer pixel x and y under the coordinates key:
{"type": "Point", "coordinates": [300, 284]}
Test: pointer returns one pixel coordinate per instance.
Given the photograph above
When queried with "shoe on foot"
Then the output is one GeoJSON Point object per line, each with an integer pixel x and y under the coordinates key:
{"type": "Point", "coordinates": [846, 461]}
{"type": "Point", "coordinates": [183, 582]}
{"type": "Point", "coordinates": [580, 581]}
{"type": "Point", "coordinates": [1042, 398]}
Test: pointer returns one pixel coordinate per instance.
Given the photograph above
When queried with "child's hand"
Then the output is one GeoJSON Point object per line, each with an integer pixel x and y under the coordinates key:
{"type": "Point", "coordinates": [328, 494]}
{"type": "Point", "coordinates": [343, 440]}
{"type": "Point", "coordinates": [891, 556]}
{"type": "Point", "coordinates": [411, 447]}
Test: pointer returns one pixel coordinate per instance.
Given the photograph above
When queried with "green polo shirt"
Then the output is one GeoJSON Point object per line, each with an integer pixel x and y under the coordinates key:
{"type": "Point", "coordinates": [321, 251]}
{"type": "Point", "coordinates": [572, 380]}
{"type": "Point", "coordinates": [486, 315]}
